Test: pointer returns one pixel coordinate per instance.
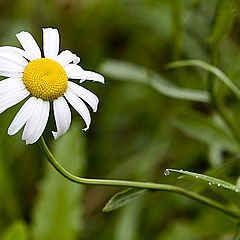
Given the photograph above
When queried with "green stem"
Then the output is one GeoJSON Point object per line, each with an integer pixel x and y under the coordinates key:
{"type": "Point", "coordinates": [144, 185]}
{"type": "Point", "coordinates": [176, 16]}
{"type": "Point", "coordinates": [216, 102]}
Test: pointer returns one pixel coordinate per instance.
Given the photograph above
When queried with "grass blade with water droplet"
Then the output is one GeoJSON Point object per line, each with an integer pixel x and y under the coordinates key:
{"type": "Point", "coordinates": [212, 181]}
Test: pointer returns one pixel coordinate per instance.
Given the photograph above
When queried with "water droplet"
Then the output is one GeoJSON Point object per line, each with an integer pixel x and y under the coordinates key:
{"type": "Point", "coordinates": [181, 170]}
{"type": "Point", "coordinates": [237, 190]}
{"type": "Point", "coordinates": [166, 172]}
{"type": "Point", "coordinates": [219, 185]}
{"type": "Point", "coordinates": [196, 176]}
{"type": "Point", "coordinates": [210, 183]}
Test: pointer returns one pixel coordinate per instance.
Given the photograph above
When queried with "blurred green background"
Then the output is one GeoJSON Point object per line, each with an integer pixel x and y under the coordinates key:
{"type": "Point", "coordinates": [137, 131]}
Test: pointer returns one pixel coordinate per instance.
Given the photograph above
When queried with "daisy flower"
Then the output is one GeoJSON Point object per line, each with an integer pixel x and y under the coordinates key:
{"type": "Point", "coordinates": [44, 81]}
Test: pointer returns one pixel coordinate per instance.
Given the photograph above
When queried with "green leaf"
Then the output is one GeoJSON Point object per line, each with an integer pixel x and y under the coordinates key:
{"type": "Point", "coordinates": [206, 130]}
{"type": "Point", "coordinates": [127, 223]}
{"type": "Point", "coordinates": [208, 67]}
{"type": "Point", "coordinates": [57, 213]}
{"type": "Point", "coordinates": [8, 199]}
{"type": "Point", "coordinates": [211, 181]}
{"type": "Point", "coordinates": [123, 198]}
{"type": "Point", "coordinates": [18, 230]}
{"type": "Point", "coordinates": [177, 29]}
{"type": "Point", "coordinates": [224, 19]}
{"type": "Point", "coordinates": [125, 71]}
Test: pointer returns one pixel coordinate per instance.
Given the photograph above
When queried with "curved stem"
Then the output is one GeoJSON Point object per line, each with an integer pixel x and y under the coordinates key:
{"type": "Point", "coordinates": [216, 102]}
{"type": "Point", "coordinates": [144, 185]}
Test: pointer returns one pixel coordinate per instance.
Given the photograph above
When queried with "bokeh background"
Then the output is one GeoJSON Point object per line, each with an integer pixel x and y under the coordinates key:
{"type": "Point", "coordinates": [137, 131]}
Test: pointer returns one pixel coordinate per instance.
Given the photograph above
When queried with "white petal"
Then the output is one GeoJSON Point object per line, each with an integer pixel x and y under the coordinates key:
{"type": "Point", "coordinates": [29, 44]}
{"type": "Point", "coordinates": [76, 72]}
{"type": "Point", "coordinates": [11, 74]}
{"type": "Point", "coordinates": [66, 57]}
{"type": "Point", "coordinates": [50, 43]}
{"type": "Point", "coordinates": [80, 107]}
{"type": "Point", "coordinates": [36, 122]}
{"type": "Point", "coordinates": [10, 84]}
{"type": "Point", "coordinates": [84, 94]}
{"type": "Point", "coordinates": [10, 69]}
{"type": "Point", "coordinates": [7, 54]}
{"type": "Point", "coordinates": [15, 50]}
{"type": "Point", "coordinates": [42, 124]}
{"type": "Point", "coordinates": [11, 64]}
{"type": "Point", "coordinates": [22, 116]}
{"type": "Point", "coordinates": [12, 98]}
{"type": "Point", "coordinates": [62, 116]}
{"type": "Point", "coordinates": [88, 75]}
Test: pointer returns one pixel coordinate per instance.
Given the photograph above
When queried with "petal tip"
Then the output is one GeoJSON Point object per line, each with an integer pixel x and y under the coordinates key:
{"type": "Point", "coordinates": [48, 28]}
{"type": "Point", "coordinates": [9, 132]}
{"type": "Point", "coordinates": [95, 108]}
{"type": "Point", "coordinates": [22, 32]}
{"type": "Point", "coordinates": [77, 60]}
{"type": "Point", "coordinates": [82, 80]}
{"type": "Point", "coordinates": [101, 79]}
{"type": "Point", "coordinates": [85, 129]}
{"type": "Point", "coordinates": [55, 135]}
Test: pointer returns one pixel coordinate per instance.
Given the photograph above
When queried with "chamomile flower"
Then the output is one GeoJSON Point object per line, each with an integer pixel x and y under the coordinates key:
{"type": "Point", "coordinates": [44, 81]}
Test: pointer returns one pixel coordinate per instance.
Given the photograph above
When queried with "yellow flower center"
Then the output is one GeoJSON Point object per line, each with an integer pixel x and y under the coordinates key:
{"type": "Point", "coordinates": [46, 79]}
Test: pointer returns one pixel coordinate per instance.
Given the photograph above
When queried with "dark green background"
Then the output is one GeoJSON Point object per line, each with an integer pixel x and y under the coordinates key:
{"type": "Point", "coordinates": [136, 133]}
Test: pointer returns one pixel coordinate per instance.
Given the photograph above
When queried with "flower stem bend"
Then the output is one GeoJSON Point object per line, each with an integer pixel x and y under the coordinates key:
{"type": "Point", "coordinates": [142, 185]}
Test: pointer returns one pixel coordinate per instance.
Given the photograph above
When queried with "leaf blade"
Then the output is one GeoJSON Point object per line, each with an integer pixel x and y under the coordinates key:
{"type": "Point", "coordinates": [208, 179]}
{"type": "Point", "coordinates": [123, 198]}
{"type": "Point", "coordinates": [125, 71]}
{"type": "Point", "coordinates": [208, 67]}
{"type": "Point", "coordinates": [205, 130]}
{"type": "Point", "coordinates": [224, 19]}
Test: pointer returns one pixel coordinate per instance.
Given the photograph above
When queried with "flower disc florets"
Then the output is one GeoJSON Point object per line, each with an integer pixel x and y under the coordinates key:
{"type": "Point", "coordinates": [45, 78]}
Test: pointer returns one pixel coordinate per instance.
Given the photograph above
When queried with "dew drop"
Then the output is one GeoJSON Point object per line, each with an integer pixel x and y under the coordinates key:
{"type": "Point", "coordinates": [196, 176]}
{"type": "Point", "coordinates": [181, 170]}
{"type": "Point", "coordinates": [166, 172]}
{"type": "Point", "coordinates": [210, 183]}
{"type": "Point", "coordinates": [219, 185]}
{"type": "Point", "coordinates": [237, 190]}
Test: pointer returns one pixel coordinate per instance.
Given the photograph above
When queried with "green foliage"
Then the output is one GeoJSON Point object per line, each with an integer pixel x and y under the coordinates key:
{"type": "Point", "coordinates": [212, 69]}
{"type": "Point", "coordinates": [18, 230]}
{"type": "Point", "coordinates": [137, 132]}
{"type": "Point", "coordinates": [210, 131]}
{"type": "Point", "coordinates": [123, 198]}
{"type": "Point", "coordinates": [129, 72]}
{"type": "Point", "coordinates": [128, 222]}
{"type": "Point", "coordinates": [211, 181]}
{"type": "Point", "coordinates": [223, 22]}
{"type": "Point", "coordinates": [57, 213]}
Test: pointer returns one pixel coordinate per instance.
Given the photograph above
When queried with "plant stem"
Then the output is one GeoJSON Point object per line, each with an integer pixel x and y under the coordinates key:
{"type": "Point", "coordinates": [143, 185]}
{"type": "Point", "coordinates": [176, 16]}
{"type": "Point", "coordinates": [216, 102]}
